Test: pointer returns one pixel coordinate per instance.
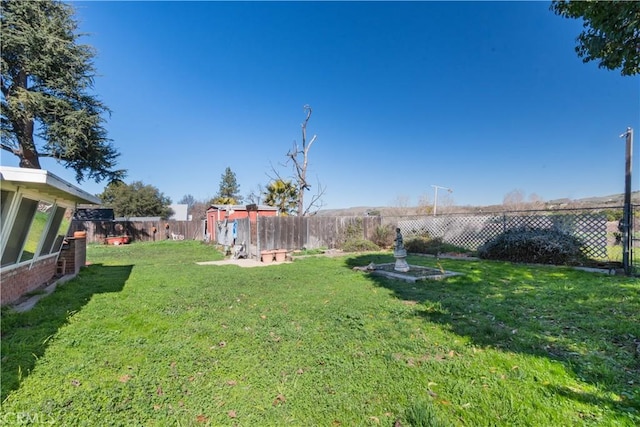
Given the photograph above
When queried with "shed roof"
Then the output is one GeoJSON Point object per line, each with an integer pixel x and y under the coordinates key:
{"type": "Point", "coordinates": [46, 183]}
{"type": "Point", "coordinates": [241, 207]}
{"type": "Point", "coordinates": [138, 219]}
{"type": "Point", "coordinates": [94, 214]}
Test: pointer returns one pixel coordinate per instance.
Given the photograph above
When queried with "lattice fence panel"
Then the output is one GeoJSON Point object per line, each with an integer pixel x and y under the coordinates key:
{"type": "Point", "coordinates": [591, 229]}
{"type": "Point", "coordinates": [471, 232]}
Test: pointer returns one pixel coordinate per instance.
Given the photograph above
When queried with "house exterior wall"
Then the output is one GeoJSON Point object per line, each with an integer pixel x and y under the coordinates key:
{"type": "Point", "coordinates": [25, 278]}
{"type": "Point", "coordinates": [75, 256]}
{"type": "Point", "coordinates": [34, 217]}
{"type": "Point", "coordinates": [21, 279]}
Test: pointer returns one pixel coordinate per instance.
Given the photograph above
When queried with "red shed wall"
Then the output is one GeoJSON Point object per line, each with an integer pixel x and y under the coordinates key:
{"type": "Point", "coordinates": [214, 215]}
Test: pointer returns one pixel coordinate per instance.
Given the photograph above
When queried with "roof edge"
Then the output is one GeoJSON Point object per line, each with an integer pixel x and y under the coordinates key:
{"type": "Point", "coordinates": [44, 177]}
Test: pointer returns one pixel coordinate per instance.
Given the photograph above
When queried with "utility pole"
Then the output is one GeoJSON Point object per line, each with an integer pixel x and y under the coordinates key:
{"type": "Point", "coordinates": [435, 198]}
{"type": "Point", "coordinates": [626, 214]}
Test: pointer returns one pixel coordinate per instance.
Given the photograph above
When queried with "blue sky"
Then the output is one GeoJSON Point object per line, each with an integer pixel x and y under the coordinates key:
{"type": "Point", "coordinates": [482, 97]}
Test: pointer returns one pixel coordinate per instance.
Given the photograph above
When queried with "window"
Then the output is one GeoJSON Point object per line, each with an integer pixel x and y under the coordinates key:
{"type": "Point", "coordinates": [36, 231]}
{"type": "Point", "coordinates": [33, 224]}
{"type": "Point", "coordinates": [60, 221]}
{"type": "Point", "coordinates": [5, 204]}
{"type": "Point", "coordinates": [18, 234]}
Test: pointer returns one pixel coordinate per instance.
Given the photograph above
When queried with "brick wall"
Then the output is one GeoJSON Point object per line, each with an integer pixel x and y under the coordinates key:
{"type": "Point", "coordinates": [75, 256]}
{"type": "Point", "coordinates": [17, 281]}
{"type": "Point", "coordinates": [26, 278]}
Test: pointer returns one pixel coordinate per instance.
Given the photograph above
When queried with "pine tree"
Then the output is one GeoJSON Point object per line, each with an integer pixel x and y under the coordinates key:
{"type": "Point", "coordinates": [229, 192]}
{"type": "Point", "coordinates": [47, 110]}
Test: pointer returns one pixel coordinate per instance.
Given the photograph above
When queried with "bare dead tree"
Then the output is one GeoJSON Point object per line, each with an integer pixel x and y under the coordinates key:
{"type": "Point", "coordinates": [298, 157]}
{"type": "Point", "coordinates": [514, 200]}
{"type": "Point", "coordinates": [316, 202]}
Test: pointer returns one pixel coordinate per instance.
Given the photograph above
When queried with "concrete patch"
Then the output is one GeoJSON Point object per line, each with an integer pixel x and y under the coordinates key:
{"type": "Point", "coordinates": [414, 274]}
{"type": "Point", "coordinates": [30, 302]}
{"type": "Point", "coordinates": [245, 263]}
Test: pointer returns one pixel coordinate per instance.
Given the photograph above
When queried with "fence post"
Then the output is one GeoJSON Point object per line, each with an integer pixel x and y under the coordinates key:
{"type": "Point", "coordinates": [258, 237]}
{"type": "Point", "coordinates": [626, 230]}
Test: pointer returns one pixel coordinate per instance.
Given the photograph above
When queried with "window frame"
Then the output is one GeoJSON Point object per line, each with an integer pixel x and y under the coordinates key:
{"type": "Point", "coordinates": [48, 238]}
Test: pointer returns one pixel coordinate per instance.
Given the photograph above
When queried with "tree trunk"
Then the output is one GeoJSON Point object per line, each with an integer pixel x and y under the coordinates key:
{"type": "Point", "coordinates": [301, 201]}
{"type": "Point", "coordinates": [28, 153]}
{"type": "Point", "coordinates": [23, 125]}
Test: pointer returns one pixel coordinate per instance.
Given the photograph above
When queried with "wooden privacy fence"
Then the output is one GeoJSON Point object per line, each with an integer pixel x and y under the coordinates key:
{"type": "Point", "coordinates": [304, 232]}
{"type": "Point", "coordinates": [292, 233]}
{"type": "Point", "coordinates": [141, 231]}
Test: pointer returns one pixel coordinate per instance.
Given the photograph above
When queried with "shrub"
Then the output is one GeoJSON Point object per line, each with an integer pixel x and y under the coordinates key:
{"type": "Point", "coordinates": [353, 239]}
{"type": "Point", "coordinates": [354, 230]}
{"type": "Point", "coordinates": [383, 236]}
{"type": "Point", "coordinates": [359, 245]}
{"type": "Point", "coordinates": [431, 246]}
{"type": "Point", "coordinates": [613, 214]}
{"type": "Point", "coordinates": [424, 245]}
{"type": "Point", "coordinates": [542, 246]}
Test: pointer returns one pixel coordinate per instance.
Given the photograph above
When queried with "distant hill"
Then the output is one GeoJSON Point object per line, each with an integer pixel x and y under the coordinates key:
{"type": "Point", "coordinates": [614, 199]}
{"type": "Point", "coordinates": [611, 201]}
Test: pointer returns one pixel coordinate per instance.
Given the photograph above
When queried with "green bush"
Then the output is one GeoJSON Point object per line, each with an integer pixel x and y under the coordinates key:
{"type": "Point", "coordinates": [613, 214]}
{"type": "Point", "coordinates": [383, 236]}
{"type": "Point", "coordinates": [424, 245]}
{"type": "Point", "coordinates": [359, 245]}
{"type": "Point", "coordinates": [432, 246]}
{"type": "Point", "coordinates": [354, 230]}
{"type": "Point", "coordinates": [542, 246]}
{"type": "Point", "coordinates": [354, 240]}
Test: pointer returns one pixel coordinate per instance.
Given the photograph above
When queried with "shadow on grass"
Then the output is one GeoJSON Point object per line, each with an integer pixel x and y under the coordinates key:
{"type": "Point", "coordinates": [25, 336]}
{"type": "Point", "coordinates": [588, 322]}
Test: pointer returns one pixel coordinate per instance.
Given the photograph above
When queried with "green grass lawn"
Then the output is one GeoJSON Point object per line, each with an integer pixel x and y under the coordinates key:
{"type": "Point", "coordinates": [144, 336]}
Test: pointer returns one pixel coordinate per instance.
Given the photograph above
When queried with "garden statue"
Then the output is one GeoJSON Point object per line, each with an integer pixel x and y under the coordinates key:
{"type": "Point", "coordinates": [400, 253]}
{"type": "Point", "coordinates": [399, 240]}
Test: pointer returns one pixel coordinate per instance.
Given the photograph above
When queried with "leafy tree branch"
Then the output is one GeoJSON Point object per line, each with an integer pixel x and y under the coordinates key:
{"type": "Point", "coordinates": [46, 76]}
{"type": "Point", "coordinates": [611, 34]}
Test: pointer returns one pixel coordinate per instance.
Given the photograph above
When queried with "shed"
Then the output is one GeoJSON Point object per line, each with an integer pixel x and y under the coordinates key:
{"type": "Point", "coordinates": [219, 213]}
{"type": "Point", "coordinates": [93, 214]}
{"type": "Point", "coordinates": [35, 213]}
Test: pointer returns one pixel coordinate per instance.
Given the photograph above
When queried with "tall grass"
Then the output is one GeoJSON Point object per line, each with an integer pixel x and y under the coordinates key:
{"type": "Point", "coordinates": [144, 336]}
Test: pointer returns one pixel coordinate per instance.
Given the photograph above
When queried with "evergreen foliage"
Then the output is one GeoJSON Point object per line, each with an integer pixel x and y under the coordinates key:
{"type": "Point", "coordinates": [135, 199]}
{"type": "Point", "coordinates": [47, 107]}
{"type": "Point", "coordinates": [229, 191]}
